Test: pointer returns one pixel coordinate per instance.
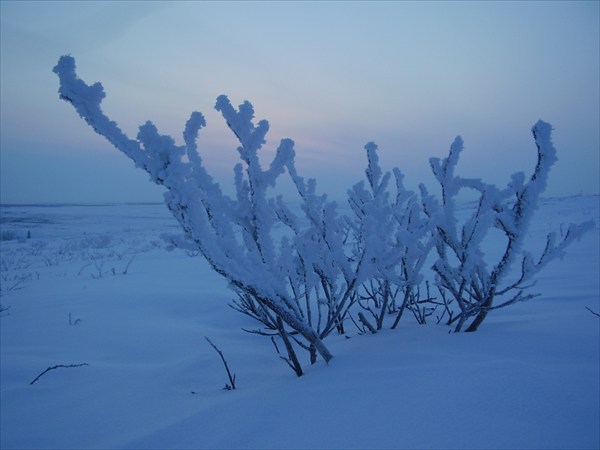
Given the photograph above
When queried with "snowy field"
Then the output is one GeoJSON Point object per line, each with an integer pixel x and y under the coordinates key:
{"type": "Point", "coordinates": [96, 285]}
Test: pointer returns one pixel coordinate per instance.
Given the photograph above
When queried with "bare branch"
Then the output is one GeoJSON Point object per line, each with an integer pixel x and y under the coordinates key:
{"type": "Point", "coordinates": [593, 312]}
{"type": "Point", "coordinates": [231, 378]}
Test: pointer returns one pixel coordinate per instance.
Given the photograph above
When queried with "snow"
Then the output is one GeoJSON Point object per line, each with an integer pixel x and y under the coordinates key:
{"type": "Point", "coordinates": [529, 378]}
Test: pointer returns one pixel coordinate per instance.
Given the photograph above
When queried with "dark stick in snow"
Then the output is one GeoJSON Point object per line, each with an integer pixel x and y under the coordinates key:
{"type": "Point", "coordinates": [56, 367]}
{"type": "Point", "coordinates": [231, 378]}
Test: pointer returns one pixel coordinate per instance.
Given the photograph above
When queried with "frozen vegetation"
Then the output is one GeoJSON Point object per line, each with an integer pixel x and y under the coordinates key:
{"type": "Point", "coordinates": [131, 339]}
{"type": "Point", "coordinates": [301, 283]}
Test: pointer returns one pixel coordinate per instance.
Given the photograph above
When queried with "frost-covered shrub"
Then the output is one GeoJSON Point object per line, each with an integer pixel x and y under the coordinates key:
{"type": "Point", "coordinates": [305, 282]}
{"type": "Point", "coordinates": [294, 280]}
{"type": "Point", "coordinates": [13, 235]}
{"type": "Point", "coordinates": [8, 236]}
{"type": "Point", "coordinates": [463, 273]}
{"type": "Point", "coordinates": [396, 238]}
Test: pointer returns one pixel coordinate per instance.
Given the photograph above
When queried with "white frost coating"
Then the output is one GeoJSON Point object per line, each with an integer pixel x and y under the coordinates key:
{"type": "Point", "coordinates": [394, 240]}
{"type": "Point", "coordinates": [192, 128]}
{"type": "Point", "coordinates": [305, 273]}
{"type": "Point", "coordinates": [461, 268]}
{"type": "Point", "coordinates": [235, 236]}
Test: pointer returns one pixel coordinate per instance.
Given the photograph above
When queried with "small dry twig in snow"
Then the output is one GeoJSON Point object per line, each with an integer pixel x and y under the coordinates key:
{"type": "Point", "coordinates": [231, 378]}
{"type": "Point", "coordinates": [593, 312]}
{"type": "Point", "coordinates": [56, 367]}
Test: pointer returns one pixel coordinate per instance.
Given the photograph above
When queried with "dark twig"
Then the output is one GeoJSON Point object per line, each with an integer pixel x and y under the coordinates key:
{"type": "Point", "coordinates": [128, 264]}
{"type": "Point", "coordinates": [231, 378]}
{"type": "Point", "coordinates": [73, 322]}
{"type": "Point", "coordinates": [275, 344]}
{"type": "Point", "coordinates": [593, 312]}
{"type": "Point", "coordinates": [56, 367]}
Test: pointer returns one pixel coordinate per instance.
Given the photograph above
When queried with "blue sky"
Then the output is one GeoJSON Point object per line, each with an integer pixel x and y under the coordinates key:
{"type": "Point", "coordinates": [330, 75]}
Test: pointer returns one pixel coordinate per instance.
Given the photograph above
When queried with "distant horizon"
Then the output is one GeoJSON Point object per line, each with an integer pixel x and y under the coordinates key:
{"type": "Point", "coordinates": [157, 203]}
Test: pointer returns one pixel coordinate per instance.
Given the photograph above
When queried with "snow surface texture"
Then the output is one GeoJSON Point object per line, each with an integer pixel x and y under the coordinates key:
{"type": "Point", "coordinates": [529, 378]}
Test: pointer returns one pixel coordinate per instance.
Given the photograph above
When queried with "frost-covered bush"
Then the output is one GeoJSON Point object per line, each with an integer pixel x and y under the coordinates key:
{"type": "Point", "coordinates": [325, 269]}
{"type": "Point", "coordinates": [463, 273]}
{"type": "Point", "coordinates": [12, 235]}
{"type": "Point", "coordinates": [396, 238]}
{"type": "Point", "coordinates": [301, 285]}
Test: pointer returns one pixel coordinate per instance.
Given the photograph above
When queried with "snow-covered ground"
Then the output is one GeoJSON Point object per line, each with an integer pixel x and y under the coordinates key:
{"type": "Point", "coordinates": [95, 285]}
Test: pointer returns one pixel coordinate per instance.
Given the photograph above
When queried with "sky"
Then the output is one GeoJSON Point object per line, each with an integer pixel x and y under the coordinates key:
{"type": "Point", "coordinates": [332, 76]}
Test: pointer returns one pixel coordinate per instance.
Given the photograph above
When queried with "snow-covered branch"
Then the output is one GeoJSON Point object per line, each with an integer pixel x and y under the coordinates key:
{"type": "Point", "coordinates": [234, 235]}
{"type": "Point", "coordinates": [301, 273]}
{"type": "Point", "coordinates": [461, 268]}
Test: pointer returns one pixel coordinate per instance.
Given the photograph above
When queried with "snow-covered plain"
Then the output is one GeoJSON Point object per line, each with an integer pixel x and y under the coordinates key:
{"type": "Point", "coordinates": [529, 378]}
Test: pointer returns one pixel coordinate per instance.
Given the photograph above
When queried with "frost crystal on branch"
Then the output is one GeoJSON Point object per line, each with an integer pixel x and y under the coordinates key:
{"type": "Point", "coordinates": [234, 235]}
{"type": "Point", "coordinates": [303, 273]}
{"type": "Point", "coordinates": [461, 268]}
